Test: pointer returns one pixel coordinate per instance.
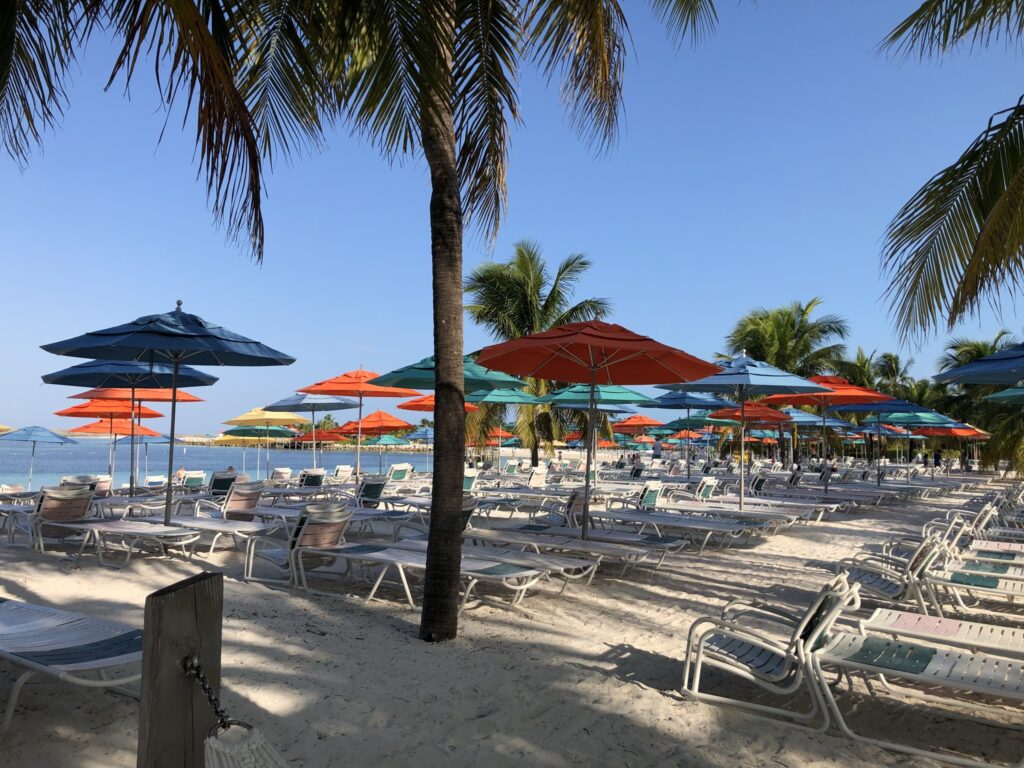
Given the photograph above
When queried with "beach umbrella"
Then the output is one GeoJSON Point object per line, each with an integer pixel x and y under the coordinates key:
{"type": "Point", "coordinates": [357, 384]}
{"type": "Point", "coordinates": [376, 423]}
{"type": "Point", "coordinates": [303, 402]}
{"type": "Point", "coordinates": [704, 401]}
{"type": "Point", "coordinates": [113, 427]}
{"type": "Point", "coordinates": [426, 403]}
{"type": "Point", "coordinates": [632, 425]}
{"type": "Point", "coordinates": [886, 407]}
{"type": "Point", "coordinates": [123, 410]}
{"type": "Point", "coordinates": [1003, 367]}
{"type": "Point", "coordinates": [699, 419]}
{"type": "Point", "coordinates": [423, 433]}
{"type": "Point", "coordinates": [476, 377]}
{"type": "Point", "coordinates": [145, 441]}
{"type": "Point", "coordinates": [604, 394]}
{"type": "Point", "coordinates": [34, 435]}
{"type": "Point", "coordinates": [141, 395]}
{"type": "Point", "coordinates": [744, 377]}
{"type": "Point", "coordinates": [593, 353]}
{"type": "Point", "coordinates": [503, 397]}
{"type": "Point", "coordinates": [175, 338]}
{"type": "Point", "coordinates": [384, 442]}
{"type": "Point", "coordinates": [263, 419]}
{"type": "Point", "coordinates": [132, 376]}
{"type": "Point", "coordinates": [1011, 396]}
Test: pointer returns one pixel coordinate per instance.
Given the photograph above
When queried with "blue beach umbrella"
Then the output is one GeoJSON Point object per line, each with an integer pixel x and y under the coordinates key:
{"type": "Point", "coordinates": [302, 402]}
{"type": "Point", "coordinates": [1003, 367]}
{"type": "Point", "coordinates": [423, 433]}
{"type": "Point", "coordinates": [35, 435]}
{"type": "Point", "coordinates": [743, 377]}
{"type": "Point", "coordinates": [886, 407]}
{"type": "Point", "coordinates": [126, 374]}
{"type": "Point", "coordinates": [703, 401]}
{"type": "Point", "coordinates": [145, 441]}
{"type": "Point", "coordinates": [175, 338]}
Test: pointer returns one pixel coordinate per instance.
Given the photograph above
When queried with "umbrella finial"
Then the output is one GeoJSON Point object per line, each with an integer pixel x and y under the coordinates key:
{"type": "Point", "coordinates": [177, 306]}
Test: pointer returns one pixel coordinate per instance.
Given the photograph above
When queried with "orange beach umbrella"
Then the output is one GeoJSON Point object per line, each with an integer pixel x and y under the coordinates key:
{"type": "Point", "coordinates": [377, 423]}
{"type": "Point", "coordinates": [112, 427]}
{"type": "Point", "coordinates": [635, 424]}
{"type": "Point", "coordinates": [108, 409]}
{"type": "Point", "coordinates": [426, 403]}
{"type": "Point", "coordinates": [152, 395]}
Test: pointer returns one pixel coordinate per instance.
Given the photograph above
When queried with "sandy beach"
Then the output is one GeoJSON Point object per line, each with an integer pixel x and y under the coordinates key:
{"type": "Point", "coordinates": [590, 677]}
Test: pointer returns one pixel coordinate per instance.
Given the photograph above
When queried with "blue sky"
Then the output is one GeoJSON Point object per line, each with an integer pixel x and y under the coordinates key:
{"type": "Point", "coordinates": [758, 169]}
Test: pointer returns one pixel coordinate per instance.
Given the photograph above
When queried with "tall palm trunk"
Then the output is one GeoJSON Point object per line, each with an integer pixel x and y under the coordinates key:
{"type": "Point", "coordinates": [439, 620]}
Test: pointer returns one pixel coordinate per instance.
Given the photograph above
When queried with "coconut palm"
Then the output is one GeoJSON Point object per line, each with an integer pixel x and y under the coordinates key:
{"type": "Point", "coordinates": [431, 77]}
{"type": "Point", "coordinates": [519, 297]}
{"type": "Point", "coordinates": [792, 339]}
{"type": "Point", "coordinates": [959, 240]}
{"type": "Point", "coordinates": [860, 370]}
{"type": "Point", "coordinates": [893, 374]}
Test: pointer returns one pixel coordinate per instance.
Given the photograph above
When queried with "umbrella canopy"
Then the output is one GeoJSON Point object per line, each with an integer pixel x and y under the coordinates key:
{"type": "Point", "coordinates": [302, 402]}
{"type": "Point", "coordinates": [604, 394]}
{"type": "Point", "coordinates": [174, 338]}
{"type": "Point", "coordinates": [644, 439]}
{"type": "Point", "coordinates": [700, 419]}
{"type": "Point", "coordinates": [953, 429]}
{"type": "Point", "coordinates": [34, 435]}
{"type": "Point", "coordinates": [500, 433]}
{"type": "Point", "coordinates": [1004, 367]}
{"type": "Point", "coordinates": [1011, 396]}
{"type": "Point", "coordinates": [146, 439]}
{"type": "Point", "coordinates": [264, 431]}
{"type": "Point", "coordinates": [426, 403]}
{"type": "Point", "coordinates": [260, 417]}
{"type": "Point", "coordinates": [377, 423]}
{"type": "Point", "coordinates": [800, 418]}
{"type": "Point", "coordinates": [503, 397]}
{"type": "Point", "coordinates": [140, 395]}
{"type": "Point", "coordinates": [123, 373]}
{"type": "Point", "coordinates": [423, 433]}
{"type": "Point", "coordinates": [752, 414]}
{"type": "Point", "coordinates": [889, 406]}
{"type": "Point", "coordinates": [879, 430]}
{"type": "Point", "coordinates": [108, 409]}
{"type": "Point", "coordinates": [113, 427]}
{"type": "Point", "coordinates": [921, 419]}
{"type": "Point", "coordinates": [475, 376]}
{"type": "Point", "coordinates": [388, 441]}
{"type": "Point", "coordinates": [685, 434]}
{"type": "Point", "coordinates": [635, 424]}
{"type": "Point", "coordinates": [699, 400]}
{"type": "Point", "coordinates": [838, 392]}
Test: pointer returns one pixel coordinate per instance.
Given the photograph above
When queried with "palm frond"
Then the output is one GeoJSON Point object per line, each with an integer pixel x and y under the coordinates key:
{"type": "Point", "coordinates": [937, 26]}
{"type": "Point", "coordinates": [485, 64]}
{"type": "Point", "coordinates": [959, 240]}
{"type": "Point", "coordinates": [194, 64]}
{"type": "Point", "coordinates": [583, 42]}
{"type": "Point", "coordinates": [37, 45]}
{"type": "Point", "coordinates": [692, 19]}
{"type": "Point", "coordinates": [588, 309]}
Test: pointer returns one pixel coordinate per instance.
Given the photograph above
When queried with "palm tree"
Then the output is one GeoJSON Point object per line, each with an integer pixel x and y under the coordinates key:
{"type": "Point", "coordinates": [791, 339]}
{"type": "Point", "coordinates": [437, 77]}
{"type": "Point", "coordinates": [860, 370]}
{"type": "Point", "coordinates": [893, 374]}
{"type": "Point", "coordinates": [958, 241]}
{"type": "Point", "coordinates": [520, 297]}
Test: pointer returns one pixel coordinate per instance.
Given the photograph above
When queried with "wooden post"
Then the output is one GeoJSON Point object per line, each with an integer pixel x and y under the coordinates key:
{"type": "Point", "coordinates": [181, 620]}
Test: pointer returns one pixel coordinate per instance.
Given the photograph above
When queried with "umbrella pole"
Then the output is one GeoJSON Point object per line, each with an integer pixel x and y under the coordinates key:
{"type": "Point", "coordinates": [170, 446]}
{"type": "Point", "coordinates": [359, 437]}
{"type": "Point", "coordinates": [131, 447]}
{"type": "Point", "coordinates": [314, 438]}
{"type": "Point", "coordinates": [31, 464]}
{"type": "Point", "coordinates": [113, 456]}
{"type": "Point", "coordinates": [878, 427]}
{"type": "Point", "coordinates": [687, 443]}
{"type": "Point", "coordinates": [743, 411]}
{"type": "Point", "coordinates": [590, 455]}
{"type": "Point", "coordinates": [823, 450]}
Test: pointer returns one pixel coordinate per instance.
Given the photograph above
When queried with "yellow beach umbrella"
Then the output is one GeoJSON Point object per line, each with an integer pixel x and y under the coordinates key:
{"type": "Point", "coordinates": [257, 417]}
{"type": "Point", "coordinates": [239, 442]}
{"type": "Point", "coordinates": [5, 428]}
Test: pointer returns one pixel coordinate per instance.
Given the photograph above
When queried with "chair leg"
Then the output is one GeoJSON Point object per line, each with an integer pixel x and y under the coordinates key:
{"type": "Point", "coordinates": [12, 700]}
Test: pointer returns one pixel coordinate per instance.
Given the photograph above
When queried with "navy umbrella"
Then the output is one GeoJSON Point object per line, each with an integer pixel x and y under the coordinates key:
{"type": "Point", "coordinates": [35, 435]}
{"type": "Point", "coordinates": [743, 377]}
{"type": "Point", "coordinates": [311, 404]}
{"type": "Point", "coordinates": [130, 375]}
{"type": "Point", "coordinates": [702, 401]}
{"type": "Point", "coordinates": [176, 338]}
{"type": "Point", "coordinates": [1003, 367]}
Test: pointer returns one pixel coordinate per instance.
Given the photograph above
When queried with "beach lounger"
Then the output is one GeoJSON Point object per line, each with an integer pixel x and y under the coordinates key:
{"type": "Point", "coordinates": [628, 555]}
{"type": "Point", "coordinates": [974, 636]}
{"type": "Point", "coordinates": [68, 646]}
{"type": "Point", "coordinates": [893, 579]}
{"type": "Point", "coordinates": [239, 530]}
{"type": "Point", "coordinates": [320, 525]}
{"type": "Point", "coordinates": [130, 534]}
{"type": "Point", "coordinates": [663, 546]}
{"type": "Point", "coordinates": [54, 505]}
{"type": "Point", "coordinates": [700, 531]}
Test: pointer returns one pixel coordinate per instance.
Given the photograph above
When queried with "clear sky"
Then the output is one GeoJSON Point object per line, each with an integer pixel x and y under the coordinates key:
{"type": "Point", "coordinates": [759, 169]}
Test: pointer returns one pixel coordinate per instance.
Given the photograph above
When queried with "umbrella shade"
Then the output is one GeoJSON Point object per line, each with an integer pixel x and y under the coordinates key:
{"type": "Point", "coordinates": [35, 435]}
{"type": "Point", "coordinates": [604, 394]}
{"type": "Point", "coordinates": [426, 403]}
{"type": "Point", "coordinates": [947, 430]}
{"type": "Point", "coordinates": [922, 419]}
{"type": "Point", "coordinates": [700, 419]}
{"type": "Point", "coordinates": [840, 392]}
{"type": "Point", "coordinates": [752, 413]}
{"type": "Point", "coordinates": [264, 431]}
{"type": "Point", "coordinates": [389, 440]}
{"type": "Point", "coordinates": [1004, 367]}
{"type": "Point", "coordinates": [1011, 396]}
{"type": "Point", "coordinates": [302, 402]}
{"type": "Point", "coordinates": [499, 433]}
{"type": "Point", "coordinates": [512, 442]}
{"type": "Point", "coordinates": [745, 376]}
{"type": "Point", "coordinates": [660, 431]}
{"type": "Point", "coordinates": [119, 373]}
{"type": "Point", "coordinates": [594, 352]}
{"type": "Point", "coordinates": [503, 397]}
{"type": "Point", "coordinates": [475, 376]}
{"type": "Point", "coordinates": [423, 433]}
{"type": "Point", "coordinates": [685, 434]}
{"type": "Point", "coordinates": [142, 394]}
{"type": "Point", "coordinates": [800, 418]}
{"type": "Point", "coordinates": [610, 408]}
{"type": "Point", "coordinates": [145, 439]}
{"type": "Point", "coordinates": [698, 400]}
{"type": "Point", "coordinates": [606, 444]}
{"type": "Point", "coordinates": [879, 430]}
{"type": "Point", "coordinates": [889, 406]}
{"type": "Point", "coordinates": [108, 409]}
{"type": "Point", "coordinates": [377, 423]}
{"type": "Point", "coordinates": [113, 427]}
{"type": "Point", "coordinates": [635, 424]}
{"type": "Point", "coordinates": [356, 384]}
{"type": "Point", "coordinates": [175, 337]}
{"type": "Point", "coordinates": [644, 439]}
{"type": "Point", "coordinates": [259, 417]}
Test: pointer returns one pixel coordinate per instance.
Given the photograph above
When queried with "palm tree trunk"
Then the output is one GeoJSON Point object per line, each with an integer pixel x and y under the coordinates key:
{"type": "Point", "coordinates": [439, 620]}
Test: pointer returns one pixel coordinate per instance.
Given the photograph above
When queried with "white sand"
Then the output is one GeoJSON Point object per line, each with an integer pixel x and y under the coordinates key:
{"type": "Point", "coordinates": [588, 678]}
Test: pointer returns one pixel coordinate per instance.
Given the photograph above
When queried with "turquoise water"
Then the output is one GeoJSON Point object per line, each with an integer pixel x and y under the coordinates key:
{"type": "Point", "coordinates": [90, 457]}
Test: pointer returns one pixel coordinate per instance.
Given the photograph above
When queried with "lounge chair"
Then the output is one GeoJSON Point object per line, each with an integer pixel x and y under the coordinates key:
{"type": "Point", "coordinates": [55, 505]}
{"type": "Point", "coordinates": [321, 525]}
{"type": "Point", "coordinates": [239, 503]}
{"type": "Point", "coordinates": [68, 646]}
{"type": "Point", "coordinates": [975, 636]}
{"type": "Point", "coordinates": [342, 474]}
{"type": "Point", "coordinates": [221, 482]}
{"type": "Point", "coordinates": [280, 476]}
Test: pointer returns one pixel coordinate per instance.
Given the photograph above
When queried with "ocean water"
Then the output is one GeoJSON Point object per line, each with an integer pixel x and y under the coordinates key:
{"type": "Point", "coordinates": [91, 457]}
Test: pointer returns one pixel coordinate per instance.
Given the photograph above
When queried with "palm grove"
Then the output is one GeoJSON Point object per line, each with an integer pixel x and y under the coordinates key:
{"type": "Point", "coordinates": [262, 79]}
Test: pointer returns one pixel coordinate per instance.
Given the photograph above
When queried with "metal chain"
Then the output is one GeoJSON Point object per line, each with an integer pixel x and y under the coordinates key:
{"type": "Point", "coordinates": [194, 668]}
